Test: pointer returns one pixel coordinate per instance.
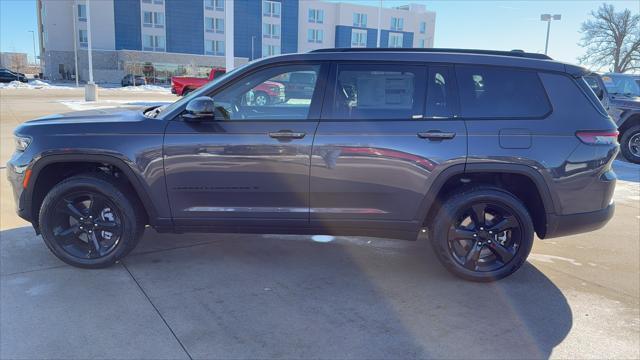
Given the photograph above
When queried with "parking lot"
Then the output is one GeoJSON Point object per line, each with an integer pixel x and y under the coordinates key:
{"type": "Point", "coordinates": [275, 296]}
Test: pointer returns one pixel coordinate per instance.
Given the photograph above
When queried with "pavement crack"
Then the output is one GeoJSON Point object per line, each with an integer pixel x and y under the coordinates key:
{"type": "Point", "coordinates": [157, 311]}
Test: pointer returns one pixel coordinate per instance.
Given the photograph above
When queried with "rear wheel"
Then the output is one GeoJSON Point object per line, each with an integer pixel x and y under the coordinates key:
{"type": "Point", "coordinates": [88, 221]}
{"type": "Point", "coordinates": [482, 234]}
{"type": "Point", "coordinates": [630, 144]}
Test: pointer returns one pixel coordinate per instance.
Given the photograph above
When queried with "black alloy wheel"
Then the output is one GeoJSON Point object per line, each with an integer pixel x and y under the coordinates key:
{"type": "Point", "coordinates": [91, 220]}
{"type": "Point", "coordinates": [485, 237]}
{"type": "Point", "coordinates": [86, 225]}
{"type": "Point", "coordinates": [482, 234]}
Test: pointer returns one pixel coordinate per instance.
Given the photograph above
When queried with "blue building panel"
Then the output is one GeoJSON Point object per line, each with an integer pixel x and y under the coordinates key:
{"type": "Point", "coordinates": [184, 26]}
{"type": "Point", "coordinates": [247, 28]}
{"type": "Point", "coordinates": [343, 36]}
{"type": "Point", "coordinates": [289, 26]}
{"type": "Point", "coordinates": [127, 24]}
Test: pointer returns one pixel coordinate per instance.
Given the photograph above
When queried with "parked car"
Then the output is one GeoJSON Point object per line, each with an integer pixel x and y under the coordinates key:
{"type": "Point", "coordinates": [620, 95]}
{"type": "Point", "coordinates": [128, 80]}
{"type": "Point", "coordinates": [183, 85]}
{"type": "Point", "coordinates": [7, 75]}
{"type": "Point", "coordinates": [269, 92]}
{"type": "Point", "coordinates": [482, 149]}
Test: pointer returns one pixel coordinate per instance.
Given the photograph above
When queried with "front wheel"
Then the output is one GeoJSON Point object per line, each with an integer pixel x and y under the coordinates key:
{"type": "Point", "coordinates": [482, 234]}
{"type": "Point", "coordinates": [630, 144]}
{"type": "Point", "coordinates": [89, 221]}
{"type": "Point", "coordinates": [261, 98]}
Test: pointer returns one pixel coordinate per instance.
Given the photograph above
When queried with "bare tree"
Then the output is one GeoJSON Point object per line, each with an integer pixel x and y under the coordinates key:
{"type": "Point", "coordinates": [18, 62]}
{"type": "Point", "coordinates": [612, 39]}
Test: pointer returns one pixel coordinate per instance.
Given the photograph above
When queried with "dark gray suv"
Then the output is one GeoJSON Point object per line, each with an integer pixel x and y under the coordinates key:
{"type": "Point", "coordinates": [482, 148]}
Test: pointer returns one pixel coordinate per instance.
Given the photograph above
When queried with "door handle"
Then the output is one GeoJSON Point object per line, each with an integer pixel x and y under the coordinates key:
{"type": "Point", "coordinates": [436, 135]}
{"type": "Point", "coordinates": [286, 134]}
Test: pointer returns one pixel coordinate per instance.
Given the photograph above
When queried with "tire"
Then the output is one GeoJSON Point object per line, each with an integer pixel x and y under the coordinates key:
{"type": "Point", "coordinates": [630, 144]}
{"type": "Point", "coordinates": [517, 240]}
{"type": "Point", "coordinates": [265, 99]}
{"type": "Point", "coordinates": [186, 91]}
{"type": "Point", "coordinates": [124, 218]}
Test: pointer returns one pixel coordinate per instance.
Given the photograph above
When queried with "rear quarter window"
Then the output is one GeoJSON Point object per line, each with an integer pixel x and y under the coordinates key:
{"type": "Point", "coordinates": [496, 92]}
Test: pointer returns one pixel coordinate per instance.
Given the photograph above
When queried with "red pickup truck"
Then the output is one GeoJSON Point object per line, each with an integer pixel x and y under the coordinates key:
{"type": "Point", "coordinates": [269, 92]}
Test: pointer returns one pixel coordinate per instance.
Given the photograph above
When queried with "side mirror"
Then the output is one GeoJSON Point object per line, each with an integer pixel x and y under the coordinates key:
{"type": "Point", "coordinates": [199, 109]}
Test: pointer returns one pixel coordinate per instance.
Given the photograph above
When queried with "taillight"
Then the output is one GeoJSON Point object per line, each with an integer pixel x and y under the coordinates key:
{"type": "Point", "coordinates": [598, 137]}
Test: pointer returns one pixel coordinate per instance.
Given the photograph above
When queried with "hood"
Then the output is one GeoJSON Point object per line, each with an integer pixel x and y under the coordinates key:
{"type": "Point", "coordinates": [94, 121]}
{"type": "Point", "coordinates": [629, 102]}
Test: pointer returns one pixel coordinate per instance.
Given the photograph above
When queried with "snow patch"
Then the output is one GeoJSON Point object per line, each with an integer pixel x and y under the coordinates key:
{"type": "Point", "coordinates": [34, 84]}
{"type": "Point", "coordinates": [552, 259]}
{"type": "Point", "coordinates": [141, 88]}
{"type": "Point", "coordinates": [80, 105]}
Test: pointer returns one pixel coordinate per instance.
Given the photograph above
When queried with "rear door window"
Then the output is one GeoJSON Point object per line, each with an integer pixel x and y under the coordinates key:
{"type": "Point", "coordinates": [378, 92]}
{"type": "Point", "coordinates": [498, 92]}
{"type": "Point", "coordinates": [440, 93]}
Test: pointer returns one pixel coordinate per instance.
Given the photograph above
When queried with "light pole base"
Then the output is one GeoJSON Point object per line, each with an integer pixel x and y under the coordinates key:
{"type": "Point", "coordinates": [91, 92]}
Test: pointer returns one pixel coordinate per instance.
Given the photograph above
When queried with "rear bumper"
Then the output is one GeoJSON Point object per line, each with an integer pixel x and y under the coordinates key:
{"type": "Point", "coordinates": [563, 225]}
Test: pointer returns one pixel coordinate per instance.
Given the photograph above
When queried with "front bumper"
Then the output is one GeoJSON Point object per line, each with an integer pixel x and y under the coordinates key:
{"type": "Point", "coordinates": [563, 225]}
{"type": "Point", "coordinates": [15, 175]}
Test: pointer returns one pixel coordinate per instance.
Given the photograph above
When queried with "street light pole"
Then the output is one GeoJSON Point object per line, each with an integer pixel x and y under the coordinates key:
{"type": "Point", "coordinates": [75, 41]}
{"type": "Point", "coordinates": [229, 36]}
{"type": "Point", "coordinates": [91, 90]}
{"type": "Point", "coordinates": [379, 24]}
{"type": "Point", "coordinates": [35, 57]}
{"type": "Point", "coordinates": [548, 18]}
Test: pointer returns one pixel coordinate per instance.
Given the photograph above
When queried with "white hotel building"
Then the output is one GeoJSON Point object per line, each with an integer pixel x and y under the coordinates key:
{"type": "Point", "coordinates": [162, 38]}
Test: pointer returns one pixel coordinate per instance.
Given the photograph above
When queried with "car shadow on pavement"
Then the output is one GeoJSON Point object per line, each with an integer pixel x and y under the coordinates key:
{"type": "Point", "coordinates": [274, 296]}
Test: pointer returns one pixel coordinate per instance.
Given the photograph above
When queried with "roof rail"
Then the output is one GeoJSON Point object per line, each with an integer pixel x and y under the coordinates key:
{"type": "Point", "coordinates": [515, 53]}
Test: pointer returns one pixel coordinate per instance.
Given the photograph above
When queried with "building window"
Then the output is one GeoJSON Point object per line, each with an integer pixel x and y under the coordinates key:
{"type": "Point", "coordinates": [219, 25]}
{"type": "Point", "coordinates": [316, 16]}
{"type": "Point", "coordinates": [146, 1]}
{"type": "Point", "coordinates": [359, 20]}
{"type": "Point", "coordinates": [147, 19]}
{"type": "Point", "coordinates": [270, 50]}
{"type": "Point", "coordinates": [359, 38]}
{"type": "Point", "coordinates": [315, 36]}
{"type": "Point", "coordinates": [423, 27]}
{"type": "Point", "coordinates": [395, 40]}
{"type": "Point", "coordinates": [82, 12]}
{"type": "Point", "coordinates": [153, 43]}
{"type": "Point", "coordinates": [219, 5]}
{"type": "Point", "coordinates": [271, 8]}
{"type": "Point", "coordinates": [214, 47]}
{"type": "Point", "coordinates": [158, 19]}
{"type": "Point", "coordinates": [421, 43]}
{"type": "Point", "coordinates": [209, 24]}
{"type": "Point", "coordinates": [158, 2]}
{"type": "Point", "coordinates": [150, 19]}
{"type": "Point", "coordinates": [397, 23]}
{"type": "Point", "coordinates": [208, 4]}
{"type": "Point", "coordinates": [271, 31]}
{"type": "Point", "coordinates": [83, 38]}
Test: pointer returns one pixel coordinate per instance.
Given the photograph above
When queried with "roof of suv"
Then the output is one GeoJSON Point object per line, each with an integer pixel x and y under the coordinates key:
{"type": "Point", "coordinates": [515, 58]}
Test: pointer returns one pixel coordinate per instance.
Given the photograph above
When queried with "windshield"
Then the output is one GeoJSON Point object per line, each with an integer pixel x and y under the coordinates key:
{"type": "Point", "coordinates": [621, 85]}
{"type": "Point", "coordinates": [185, 99]}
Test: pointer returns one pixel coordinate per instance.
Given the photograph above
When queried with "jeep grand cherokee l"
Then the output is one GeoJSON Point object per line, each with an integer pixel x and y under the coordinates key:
{"type": "Point", "coordinates": [481, 148]}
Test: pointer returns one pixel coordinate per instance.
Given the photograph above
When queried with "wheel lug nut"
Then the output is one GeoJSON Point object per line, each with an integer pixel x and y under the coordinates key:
{"type": "Point", "coordinates": [489, 242]}
{"type": "Point", "coordinates": [481, 228]}
{"type": "Point", "coordinates": [81, 219]}
{"type": "Point", "coordinates": [475, 235]}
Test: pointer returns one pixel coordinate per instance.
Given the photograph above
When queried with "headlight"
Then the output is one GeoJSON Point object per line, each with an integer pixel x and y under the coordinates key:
{"type": "Point", "coordinates": [22, 142]}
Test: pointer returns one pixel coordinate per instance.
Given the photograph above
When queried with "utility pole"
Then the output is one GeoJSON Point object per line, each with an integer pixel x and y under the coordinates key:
{"type": "Point", "coordinates": [548, 18]}
{"type": "Point", "coordinates": [379, 24]}
{"type": "Point", "coordinates": [228, 35]}
{"type": "Point", "coordinates": [90, 90]}
{"type": "Point", "coordinates": [35, 57]}
{"type": "Point", "coordinates": [75, 40]}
